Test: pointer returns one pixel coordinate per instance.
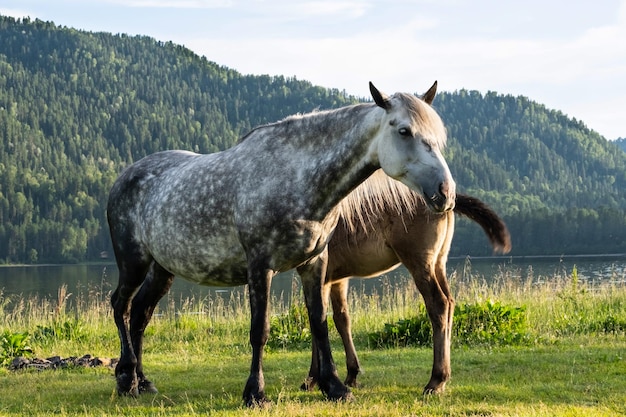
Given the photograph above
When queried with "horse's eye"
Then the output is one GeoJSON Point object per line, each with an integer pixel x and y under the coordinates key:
{"type": "Point", "coordinates": [404, 131]}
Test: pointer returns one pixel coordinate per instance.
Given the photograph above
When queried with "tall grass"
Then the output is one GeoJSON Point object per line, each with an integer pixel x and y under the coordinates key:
{"type": "Point", "coordinates": [75, 324]}
{"type": "Point", "coordinates": [557, 305]}
{"type": "Point", "coordinates": [197, 352]}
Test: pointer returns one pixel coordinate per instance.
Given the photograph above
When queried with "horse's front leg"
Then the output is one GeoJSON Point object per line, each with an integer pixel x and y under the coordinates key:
{"type": "Point", "coordinates": [259, 282]}
{"type": "Point", "coordinates": [316, 296]}
{"type": "Point", "coordinates": [440, 307]}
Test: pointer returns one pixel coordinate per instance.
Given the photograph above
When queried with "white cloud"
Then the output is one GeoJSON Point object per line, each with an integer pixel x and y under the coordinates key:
{"type": "Point", "coordinates": [16, 13]}
{"type": "Point", "coordinates": [568, 55]}
{"type": "Point", "coordinates": [173, 4]}
{"type": "Point", "coordinates": [308, 9]}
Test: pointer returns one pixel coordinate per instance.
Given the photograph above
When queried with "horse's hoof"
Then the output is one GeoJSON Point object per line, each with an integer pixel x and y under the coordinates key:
{"type": "Point", "coordinates": [127, 385]}
{"type": "Point", "coordinates": [346, 397]}
{"type": "Point", "coordinates": [341, 395]}
{"type": "Point", "coordinates": [147, 387]}
{"type": "Point", "coordinates": [258, 402]}
{"type": "Point", "coordinates": [351, 382]}
{"type": "Point", "coordinates": [133, 392]}
{"type": "Point", "coordinates": [308, 384]}
{"type": "Point", "coordinates": [436, 389]}
{"type": "Point", "coordinates": [254, 397]}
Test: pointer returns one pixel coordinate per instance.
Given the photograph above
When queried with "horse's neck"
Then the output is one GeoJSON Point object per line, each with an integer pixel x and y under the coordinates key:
{"type": "Point", "coordinates": [321, 157]}
{"type": "Point", "coordinates": [342, 159]}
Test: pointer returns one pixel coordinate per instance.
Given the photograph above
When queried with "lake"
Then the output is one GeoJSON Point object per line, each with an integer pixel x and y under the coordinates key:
{"type": "Point", "coordinates": [99, 280]}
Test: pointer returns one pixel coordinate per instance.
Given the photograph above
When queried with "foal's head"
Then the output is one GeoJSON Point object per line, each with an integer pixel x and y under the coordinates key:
{"type": "Point", "coordinates": [409, 146]}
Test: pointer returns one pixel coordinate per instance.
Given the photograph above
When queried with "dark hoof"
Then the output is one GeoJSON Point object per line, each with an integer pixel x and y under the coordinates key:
{"type": "Point", "coordinates": [351, 382]}
{"type": "Point", "coordinates": [127, 385]}
{"type": "Point", "coordinates": [147, 387]}
{"type": "Point", "coordinates": [253, 393]}
{"type": "Point", "coordinates": [259, 401]}
{"type": "Point", "coordinates": [346, 397]}
{"type": "Point", "coordinates": [340, 393]}
{"type": "Point", "coordinates": [308, 384]}
{"type": "Point", "coordinates": [434, 389]}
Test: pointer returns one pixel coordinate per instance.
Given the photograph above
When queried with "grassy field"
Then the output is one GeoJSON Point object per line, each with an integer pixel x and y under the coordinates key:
{"type": "Point", "coordinates": [571, 361]}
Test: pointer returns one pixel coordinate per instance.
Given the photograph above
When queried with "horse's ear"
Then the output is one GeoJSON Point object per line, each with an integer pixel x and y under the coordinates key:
{"type": "Point", "coordinates": [429, 96]}
{"type": "Point", "coordinates": [380, 99]}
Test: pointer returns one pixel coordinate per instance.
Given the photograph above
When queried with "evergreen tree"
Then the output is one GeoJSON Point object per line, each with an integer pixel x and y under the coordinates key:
{"type": "Point", "coordinates": [77, 107]}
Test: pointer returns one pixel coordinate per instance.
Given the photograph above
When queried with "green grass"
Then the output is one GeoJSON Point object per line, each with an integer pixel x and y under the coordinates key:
{"type": "Point", "coordinates": [572, 364]}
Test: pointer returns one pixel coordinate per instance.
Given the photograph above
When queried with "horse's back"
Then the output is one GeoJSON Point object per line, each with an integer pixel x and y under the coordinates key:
{"type": "Point", "coordinates": [169, 207]}
{"type": "Point", "coordinates": [134, 178]}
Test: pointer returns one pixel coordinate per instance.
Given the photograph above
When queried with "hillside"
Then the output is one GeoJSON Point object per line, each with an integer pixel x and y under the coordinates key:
{"type": "Point", "coordinates": [76, 107]}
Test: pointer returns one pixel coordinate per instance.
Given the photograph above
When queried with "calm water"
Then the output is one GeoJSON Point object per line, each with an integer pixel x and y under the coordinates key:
{"type": "Point", "coordinates": [99, 280]}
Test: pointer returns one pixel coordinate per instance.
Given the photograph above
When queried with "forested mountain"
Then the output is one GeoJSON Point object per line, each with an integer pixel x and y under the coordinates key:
{"type": "Point", "coordinates": [621, 142]}
{"type": "Point", "coordinates": [77, 107]}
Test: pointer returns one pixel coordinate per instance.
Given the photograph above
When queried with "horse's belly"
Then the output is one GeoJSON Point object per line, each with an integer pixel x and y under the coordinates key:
{"type": "Point", "coordinates": [211, 260]}
{"type": "Point", "coordinates": [365, 259]}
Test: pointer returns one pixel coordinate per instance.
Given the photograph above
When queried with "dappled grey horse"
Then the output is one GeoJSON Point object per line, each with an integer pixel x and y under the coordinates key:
{"type": "Point", "coordinates": [264, 206]}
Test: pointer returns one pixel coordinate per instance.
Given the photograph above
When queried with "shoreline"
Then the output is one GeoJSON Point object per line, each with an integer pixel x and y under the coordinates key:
{"type": "Point", "coordinates": [520, 257]}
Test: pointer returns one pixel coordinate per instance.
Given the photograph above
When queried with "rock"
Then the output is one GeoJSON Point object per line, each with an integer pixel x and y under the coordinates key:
{"type": "Point", "coordinates": [56, 362]}
{"type": "Point", "coordinates": [40, 364]}
{"type": "Point", "coordinates": [19, 362]}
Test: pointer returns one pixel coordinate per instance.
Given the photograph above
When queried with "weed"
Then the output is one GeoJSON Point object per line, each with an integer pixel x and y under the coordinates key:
{"type": "Point", "coordinates": [61, 329]}
{"type": "Point", "coordinates": [486, 323]}
{"type": "Point", "coordinates": [414, 331]}
{"type": "Point", "coordinates": [13, 345]}
{"type": "Point", "coordinates": [290, 329]}
{"type": "Point", "coordinates": [490, 323]}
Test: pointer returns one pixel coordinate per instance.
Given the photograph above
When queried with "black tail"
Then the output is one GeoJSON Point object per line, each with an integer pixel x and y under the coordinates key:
{"type": "Point", "coordinates": [492, 224]}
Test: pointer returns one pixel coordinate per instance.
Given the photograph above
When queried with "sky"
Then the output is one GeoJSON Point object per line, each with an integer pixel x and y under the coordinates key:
{"type": "Point", "coordinates": [569, 55]}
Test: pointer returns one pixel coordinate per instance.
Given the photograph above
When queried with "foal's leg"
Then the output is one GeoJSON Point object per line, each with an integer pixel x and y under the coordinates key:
{"type": "Point", "coordinates": [427, 266]}
{"type": "Point", "coordinates": [341, 317]}
{"type": "Point", "coordinates": [156, 285]}
{"type": "Point", "coordinates": [259, 282]}
{"type": "Point", "coordinates": [131, 275]}
{"type": "Point", "coordinates": [441, 361]}
{"type": "Point", "coordinates": [316, 297]}
{"type": "Point", "coordinates": [440, 307]}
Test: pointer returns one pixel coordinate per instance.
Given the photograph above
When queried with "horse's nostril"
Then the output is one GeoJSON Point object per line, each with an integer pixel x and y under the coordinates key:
{"type": "Point", "coordinates": [444, 188]}
{"type": "Point", "coordinates": [447, 189]}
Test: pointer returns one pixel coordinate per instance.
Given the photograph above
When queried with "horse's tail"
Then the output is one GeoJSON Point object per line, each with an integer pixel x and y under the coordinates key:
{"type": "Point", "coordinates": [492, 224]}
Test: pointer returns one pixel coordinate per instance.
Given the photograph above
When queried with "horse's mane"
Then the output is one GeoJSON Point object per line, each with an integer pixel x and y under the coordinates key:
{"type": "Point", "coordinates": [427, 120]}
{"type": "Point", "coordinates": [310, 117]}
{"type": "Point", "coordinates": [378, 194]}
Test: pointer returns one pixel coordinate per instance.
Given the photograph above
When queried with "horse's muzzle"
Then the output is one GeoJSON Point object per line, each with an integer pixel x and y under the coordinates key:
{"type": "Point", "coordinates": [444, 199]}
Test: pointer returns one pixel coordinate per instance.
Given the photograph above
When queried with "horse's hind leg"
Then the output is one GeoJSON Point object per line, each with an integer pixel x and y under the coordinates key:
{"type": "Point", "coordinates": [131, 275]}
{"type": "Point", "coordinates": [316, 297]}
{"type": "Point", "coordinates": [156, 285]}
{"type": "Point", "coordinates": [341, 317]}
